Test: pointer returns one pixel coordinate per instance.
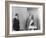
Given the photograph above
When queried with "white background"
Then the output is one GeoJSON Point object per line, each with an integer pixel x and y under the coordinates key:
{"type": "Point", "coordinates": [2, 19]}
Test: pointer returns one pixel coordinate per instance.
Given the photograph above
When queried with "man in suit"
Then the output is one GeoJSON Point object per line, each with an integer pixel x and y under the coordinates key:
{"type": "Point", "coordinates": [16, 23]}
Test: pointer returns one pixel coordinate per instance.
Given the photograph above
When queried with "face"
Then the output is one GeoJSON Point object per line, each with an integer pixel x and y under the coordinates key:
{"type": "Point", "coordinates": [16, 17]}
{"type": "Point", "coordinates": [29, 17]}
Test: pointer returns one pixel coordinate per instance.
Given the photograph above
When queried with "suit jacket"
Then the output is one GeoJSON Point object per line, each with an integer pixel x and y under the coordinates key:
{"type": "Point", "coordinates": [16, 24]}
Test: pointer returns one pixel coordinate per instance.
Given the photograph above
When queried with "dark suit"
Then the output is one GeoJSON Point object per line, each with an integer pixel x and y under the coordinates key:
{"type": "Point", "coordinates": [16, 24]}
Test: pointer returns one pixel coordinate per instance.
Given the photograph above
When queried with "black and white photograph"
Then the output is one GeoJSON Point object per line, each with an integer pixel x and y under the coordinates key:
{"type": "Point", "coordinates": [24, 18]}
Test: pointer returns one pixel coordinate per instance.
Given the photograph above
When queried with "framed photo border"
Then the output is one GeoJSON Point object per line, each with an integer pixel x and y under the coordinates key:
{"type": "Point", "coordinates": [7, 19]}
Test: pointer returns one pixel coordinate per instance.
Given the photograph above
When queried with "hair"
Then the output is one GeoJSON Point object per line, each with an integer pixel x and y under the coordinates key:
{"type": "Point", "coordinates": [16, 14]}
